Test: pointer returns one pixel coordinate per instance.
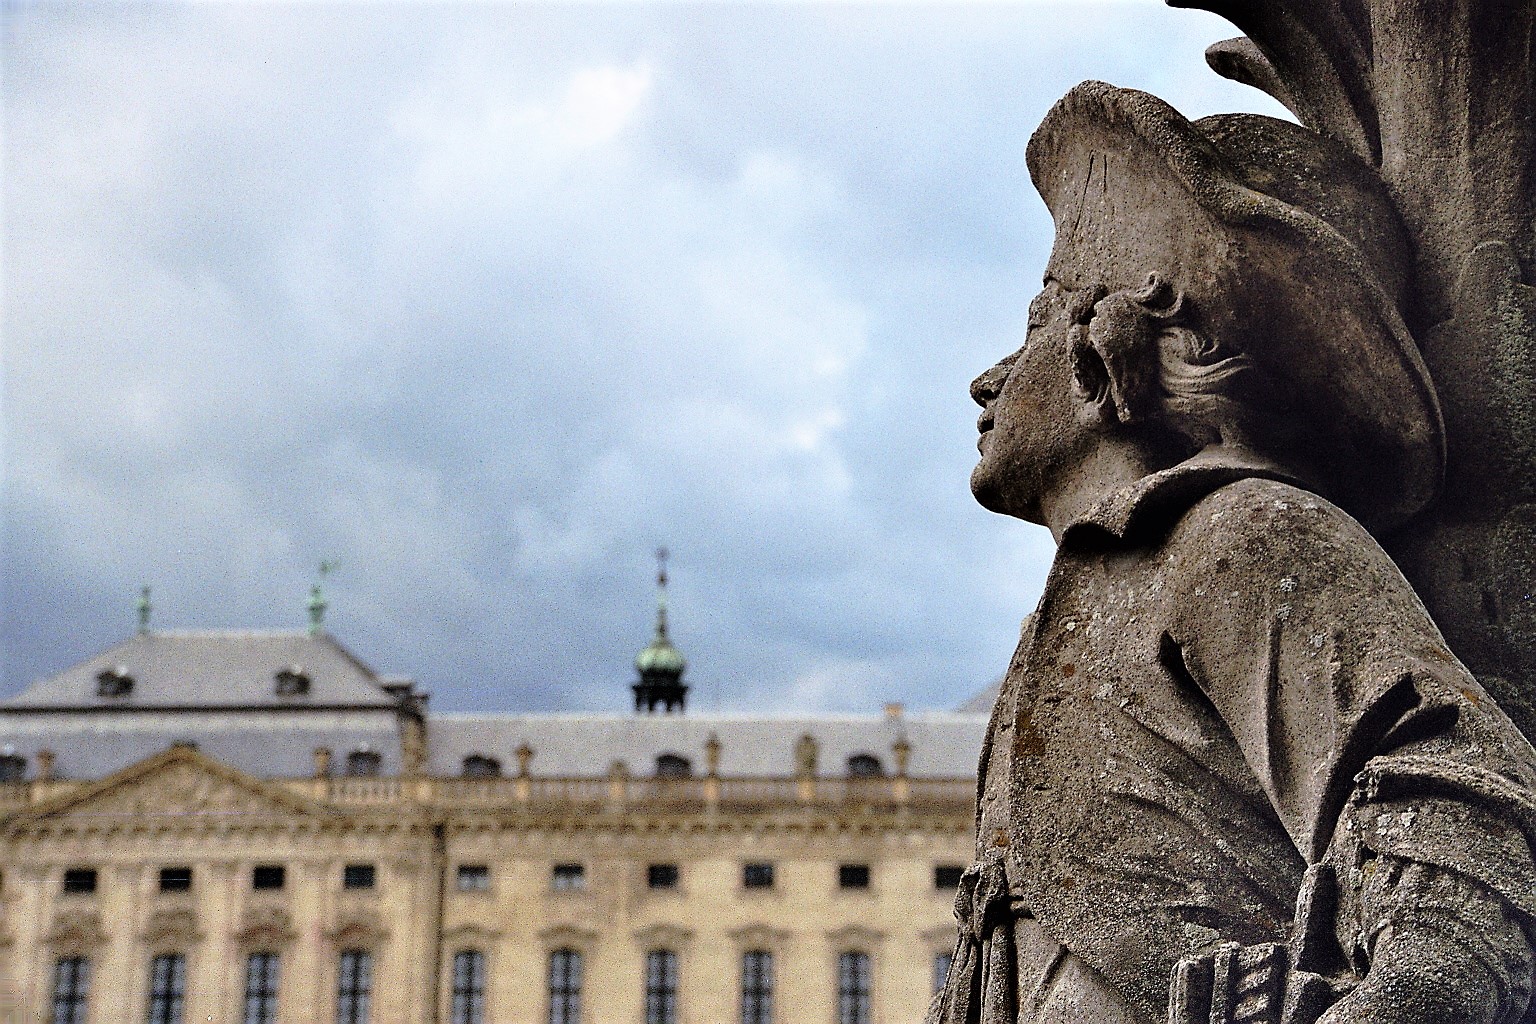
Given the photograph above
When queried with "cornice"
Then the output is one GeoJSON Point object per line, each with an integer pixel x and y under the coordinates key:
{"type": "Point", "coordinates": [562, 935]}
{"type": "Point", "coordinates": [761, 936]}
{"type": "Point", "coordinates": [665, 935]}
{"type": "Point", "coordinates": [472, 932]}
{"type": "Point", "coordinates": [855, 936]}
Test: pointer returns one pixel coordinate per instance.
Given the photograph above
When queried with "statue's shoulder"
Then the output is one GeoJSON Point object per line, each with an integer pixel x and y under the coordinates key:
{"type": "Point", "coordinates": [1260, 520]}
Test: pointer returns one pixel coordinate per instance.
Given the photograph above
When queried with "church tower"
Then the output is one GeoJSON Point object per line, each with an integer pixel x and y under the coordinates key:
{"type": "Point", "coordinates": [660, 664]}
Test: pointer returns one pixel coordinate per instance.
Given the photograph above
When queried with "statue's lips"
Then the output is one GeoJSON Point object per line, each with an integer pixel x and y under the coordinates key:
{"type": "Point", "coordinates": [984, 424]}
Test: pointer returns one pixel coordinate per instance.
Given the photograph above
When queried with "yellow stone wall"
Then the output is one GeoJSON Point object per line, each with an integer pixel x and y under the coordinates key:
{"type": "Point", "coordinates": [183, 809]}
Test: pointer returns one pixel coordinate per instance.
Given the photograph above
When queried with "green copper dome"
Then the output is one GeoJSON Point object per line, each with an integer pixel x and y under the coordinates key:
{"type": "Point", "coordinates": [660, 657]}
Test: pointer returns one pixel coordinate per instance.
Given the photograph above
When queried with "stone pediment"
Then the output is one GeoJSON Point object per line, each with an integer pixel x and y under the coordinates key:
{"type": "Point", "coordinates": [75, 931]}
{"type": "Point", "coordinates": [265, 924]}
{"type": "Point", "coordinates": [176, 788]}
{"type": "Point", "coordinates": [358, 927]}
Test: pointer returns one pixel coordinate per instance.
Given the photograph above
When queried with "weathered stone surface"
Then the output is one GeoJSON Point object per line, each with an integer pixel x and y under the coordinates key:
{"type": "Point", "coordinates": [1439, 96]}
{"type": "Point", "coordinates": [1234, 772]}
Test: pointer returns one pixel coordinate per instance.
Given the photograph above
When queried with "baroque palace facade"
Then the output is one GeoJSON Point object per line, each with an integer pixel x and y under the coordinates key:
{"type": "Point", "coordinates": [254, 827]}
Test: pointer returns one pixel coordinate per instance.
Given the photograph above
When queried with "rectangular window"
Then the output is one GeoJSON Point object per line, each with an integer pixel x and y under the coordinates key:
{"type": "Point", "coordinates": [941, 964]}
{"type": "Point", "coordinates": [167, 988]}
{"type": "Point", "coordinates": [568, 877]}
{"type": "Point", "coordinates": [474, 878]}
{"type": "Point", "coordinates": [947, 876]}
{"type": "Point", "coordinates": [661, 876]}
{"type": "Point", "coordinates": [853, 988]}
{"type": "Point", "coordinates": [354, 986]}
{"type": "Point", "coordinates": [757, 987]}
{"type": "Point", "coordinates": [661, 987]}
{"type": "Point", "coordinates": [71, 987]}
{"type": "Point", "coordinates": [757, 875]}
{"type": "Point", "coordinates": [175, 879]}
{"type": "Point", "coordinates": [357, 876]}
{"type": "Point", "coordinates": [80, 880]}
{"type": "Point", "coordinates": [853, 876]}
{"type": "Point", "coordinates": [468, 1005]}
{"type": "Point", "coordinates": [565, 987]}
{"type": "Point", "coordinates": [268, 876]}
{"type": "Point", "coordinates": [261, 988]}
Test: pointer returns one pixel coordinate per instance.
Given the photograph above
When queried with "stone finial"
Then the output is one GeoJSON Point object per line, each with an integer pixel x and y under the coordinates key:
{"type": "Point", "coordinates": [524, 759]}
{"type": "Point", "coordinates": [144, 608]}
{"type": "Point", "coordinates": [317, 603]}
{"type": "Point", "coordinates": [805, 755]}
{"type": "Point", "coordinates": [45, 762]}
{"type": "Point", "coordinates": [322, 762]}
{"type": "Point", "coordinates": [712, 755]}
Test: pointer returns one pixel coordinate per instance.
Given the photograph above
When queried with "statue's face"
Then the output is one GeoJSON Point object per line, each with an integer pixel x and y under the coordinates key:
{"type": "Point", "coordinates": [1033, 430]}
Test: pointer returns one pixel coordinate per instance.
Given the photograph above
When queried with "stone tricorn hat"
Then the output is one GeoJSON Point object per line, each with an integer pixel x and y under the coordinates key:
{"type": "Point", "coordinates": [1286, 249]}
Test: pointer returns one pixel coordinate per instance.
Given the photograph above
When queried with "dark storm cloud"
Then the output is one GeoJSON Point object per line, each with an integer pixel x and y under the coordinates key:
{"type": "Point", "coordinates": [489, 301]}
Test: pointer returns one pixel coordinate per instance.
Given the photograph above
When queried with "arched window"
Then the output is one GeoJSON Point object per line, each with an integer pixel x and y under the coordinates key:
{"type": "Point", "coordinates": [363, 761]}
{"type": "Point", "coordinates": [479, 766]}
{"type": "Point", "coordinates": [468, 987]}
{"type": "Point", "coordinates": [167, 988]}
{"type": "Point", "coordinates": [13, 767]}
{"type": "Point", "coordinates": [565, 987]}
{"type": "Point", "coordinates": [661, 987]}
{"type": "Point", "coordinates": [673, 766]}
{"type": "Point", "coordinates": [261, 988]}
{"type": "Point", "coordinates": [354, 986]}
{"type": "Point", "coordinates": [865, 766]}
{"type": "Point", "coordinates": [71, 987]}
{"type": "Point", "coordinates": [757, 987]}
{"type": "Point", "coordinates": [853, 988]}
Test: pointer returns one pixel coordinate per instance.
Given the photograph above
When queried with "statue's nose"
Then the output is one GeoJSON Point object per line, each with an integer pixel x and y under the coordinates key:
{"type": "Point", "coordinates": [986, 387]}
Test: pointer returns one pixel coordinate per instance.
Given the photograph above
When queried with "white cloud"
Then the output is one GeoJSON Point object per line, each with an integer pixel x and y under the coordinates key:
{"type": "Point", "coordinates": [489, 300]}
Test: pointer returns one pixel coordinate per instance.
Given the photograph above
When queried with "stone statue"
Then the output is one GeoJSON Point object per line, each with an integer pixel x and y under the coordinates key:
{"type": "Point", "coordinates": [1234, 773]}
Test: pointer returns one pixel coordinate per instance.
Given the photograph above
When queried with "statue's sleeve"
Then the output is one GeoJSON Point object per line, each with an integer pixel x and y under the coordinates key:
{"type": "Point", "coordinates": [1369, 737]}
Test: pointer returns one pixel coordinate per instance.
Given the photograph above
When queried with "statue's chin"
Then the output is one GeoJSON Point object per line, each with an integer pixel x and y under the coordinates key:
{"type": "Point", "coordinates": [988, 491]}
{"type": "Point", "coordinates": [991, 495]}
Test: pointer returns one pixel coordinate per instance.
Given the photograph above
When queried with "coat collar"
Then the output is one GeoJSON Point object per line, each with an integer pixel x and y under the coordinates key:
{"type": "Point", "coordinates": [1167, 494]}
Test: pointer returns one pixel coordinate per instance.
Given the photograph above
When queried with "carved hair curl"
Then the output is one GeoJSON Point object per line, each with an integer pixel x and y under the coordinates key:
{"type": "Point", "coordinates": [1159, 369]}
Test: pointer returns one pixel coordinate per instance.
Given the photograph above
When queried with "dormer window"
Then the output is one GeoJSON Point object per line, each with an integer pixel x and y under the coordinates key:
{"type": "Point", "coordinates": [865, 766]}
{"type": "Point", "coordinates": [673, 766]}
{"type": "Point", "coordinates": [479, 766]}
{"type": "Point", "coordinates": [363, 761]}
{"type": "Point", "coordinates": [291, 682]}
{"type": "Point", "coordinates": [114, 682]}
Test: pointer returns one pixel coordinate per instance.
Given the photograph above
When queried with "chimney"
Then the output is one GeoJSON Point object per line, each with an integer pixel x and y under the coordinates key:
{"type": "Point", "coordinates": [45, 766]}
{"type": "Point", "coordinates": [322, 762]}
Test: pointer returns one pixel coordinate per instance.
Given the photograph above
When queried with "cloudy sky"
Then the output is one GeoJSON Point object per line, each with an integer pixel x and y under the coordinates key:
{"type": "Point", "coordinates": [488, 301]}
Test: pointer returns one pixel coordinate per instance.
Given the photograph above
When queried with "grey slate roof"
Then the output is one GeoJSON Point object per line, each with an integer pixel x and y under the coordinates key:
{"type": "Point", "coordinates": [943, 743]}
{"type": "Point", "coordinates": [91, 745]}
{"type": "Point", "coordinates": [214, 669]}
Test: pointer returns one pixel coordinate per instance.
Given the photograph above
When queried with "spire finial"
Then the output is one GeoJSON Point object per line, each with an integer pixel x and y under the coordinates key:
{"type": "Point", "coordinates": [317, 602]}
{"type": "Point", "coordinates": [144, 608]}
{"type": "Point", "coordinates": [661, 593]}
